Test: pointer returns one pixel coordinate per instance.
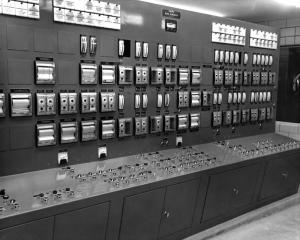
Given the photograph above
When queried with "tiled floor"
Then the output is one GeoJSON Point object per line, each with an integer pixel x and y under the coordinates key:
{"type": "Point", "coordinates": [277, 221]}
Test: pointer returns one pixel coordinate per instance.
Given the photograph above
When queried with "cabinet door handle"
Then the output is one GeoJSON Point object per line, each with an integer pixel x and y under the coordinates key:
{"type": "Point", "coordinates": [236, 191]}
{"type": "Point", "coordinates": [167, 214]}
{"type": "Point", "coordinates": [285, 175]}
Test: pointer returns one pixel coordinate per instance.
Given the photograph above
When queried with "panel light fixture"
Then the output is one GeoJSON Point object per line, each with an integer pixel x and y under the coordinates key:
{"type": "Point", "coordinates": [184, 7]}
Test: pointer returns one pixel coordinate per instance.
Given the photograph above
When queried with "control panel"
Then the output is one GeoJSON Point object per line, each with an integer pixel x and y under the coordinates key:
{"type": "Point", "coordinates": [83, 87]}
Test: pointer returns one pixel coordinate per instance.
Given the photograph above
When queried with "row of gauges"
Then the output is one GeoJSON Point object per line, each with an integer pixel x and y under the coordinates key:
{"type": "Point", "coordinates": [45, 74]}
{"type": "Point", "coordinates": [110, 128]}
{"type": "Point", "coordinates": [231, 57]}
{"type": "Point", "coordinates": [21, 101]}
{"type": "Point", "coordinates": [235, 117]}
{"type": "Point", "coordinates": [246, 78]}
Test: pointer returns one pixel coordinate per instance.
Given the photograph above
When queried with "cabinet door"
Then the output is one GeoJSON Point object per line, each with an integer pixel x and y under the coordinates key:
{"type": "Point", "coordinates": [84, 224]}
{"type": "Point", "coordinates": [281, 175]}
{"type": "Point", "coordinates": [230, 191]}
{"type": "Point", "coordinates": [37, 230]}
{"type": "Point", "coordinates": [179, 207]}
{"type": "Point", "coordinates": [141, 215]}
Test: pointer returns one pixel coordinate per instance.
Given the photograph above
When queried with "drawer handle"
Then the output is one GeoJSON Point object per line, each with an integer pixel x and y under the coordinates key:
{"type": "Point", "coordinates": [285, 175]}
{"type": "Point", "coordinates": [236, 191]}
{"type": "Point", "coordinates": [167, 214]}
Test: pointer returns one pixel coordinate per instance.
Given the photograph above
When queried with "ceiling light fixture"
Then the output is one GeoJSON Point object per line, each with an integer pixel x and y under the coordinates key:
{"type": "Point", "coordinates": [184, 7]}
{"type": "Point", "coordinates": [293, 3]}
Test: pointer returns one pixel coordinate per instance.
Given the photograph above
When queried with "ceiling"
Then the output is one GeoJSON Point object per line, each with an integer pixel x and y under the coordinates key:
{"type": "Point", "coordinates": [249, 10]}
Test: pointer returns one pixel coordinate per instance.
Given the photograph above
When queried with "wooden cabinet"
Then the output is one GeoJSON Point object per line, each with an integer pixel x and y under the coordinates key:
{"type": "Point", "coordinates": [37, 230]}
{"type": "Point", "coordinates": [179, 207]}
{"type": "Point", "coordinates": [281, 176]}
{"type": "Point", "coordinates": [159, 212]}
{"type": "Point", "coordinates": [84, 224]}
{"type": "Point", "coordinates": [230, 191]}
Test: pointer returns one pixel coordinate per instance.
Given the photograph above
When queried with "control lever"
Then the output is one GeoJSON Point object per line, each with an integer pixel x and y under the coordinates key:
{"type": "Point", "coordinates": [137, 103]}
{"type": "Point", "coordinates": [145, 100]}
{"type": "Point", "coordinates": [167, 100]}
{"type": "Point", "coordinates": [174, 52]}
{"type": "Point", "coordinates": [138, 49]}
{"type": "Point", "coordinates": [121, 48]}
{"type": "Point", "coordinates": [145, 49]}
{"type": "Point", "coordinates": [121, 101]}
{"type": "Point", "coordinates": [93, 45]}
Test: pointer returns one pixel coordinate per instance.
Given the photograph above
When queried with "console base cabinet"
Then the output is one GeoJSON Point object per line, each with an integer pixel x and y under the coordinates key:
{"type": "Point", "coordinates": [159, 212]}
{"type": "Point", "coordinates": [281, 175]}
{"type": "Point", "coordinates": [172, 210]}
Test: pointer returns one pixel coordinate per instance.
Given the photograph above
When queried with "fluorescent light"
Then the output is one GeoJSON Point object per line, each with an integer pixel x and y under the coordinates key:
{"type": "Point", "coordinates": [184, 7]}
{"type": "Point", "coordinates": [293, 3]}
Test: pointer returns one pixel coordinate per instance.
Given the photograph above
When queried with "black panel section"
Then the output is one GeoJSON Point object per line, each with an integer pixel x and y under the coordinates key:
{"type": "Point", "coordinates": [20, 71]}
{"type": "Point", "coordinates": [68, 72]}
{"type": "Point", "coordinates": [281, 175]}
{"type": "Point", "coordinates": [68, 42]}
{"type": "Point", "coordinates": [4, 133]}
{"type": "Point", "coordinates": [86, 223]}
{"type": "Point", "coordinates": [19, 38]}
{"type": "Point", "coordinates": [179, 207]}
{"type": "Point", "coordinates": [108, 46]}
{"type": "Point", "coordinates": [141, 215]}
{"type": "Point", "coordinates": [230, 191]}
{"type": "Point", "coordinates": [45, 40]}
{"type": "Point", "coordinates": [22, 136]}
{"type": "Point", "coordinates": [37, 230]}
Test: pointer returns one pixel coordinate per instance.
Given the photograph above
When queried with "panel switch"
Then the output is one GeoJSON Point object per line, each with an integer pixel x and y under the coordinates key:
{"type": "Point", "coordinates": [46, 134]}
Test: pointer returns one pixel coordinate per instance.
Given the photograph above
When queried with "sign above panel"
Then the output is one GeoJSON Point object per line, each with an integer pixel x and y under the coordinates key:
{"type": "Point", "coordinates": [88, 12]}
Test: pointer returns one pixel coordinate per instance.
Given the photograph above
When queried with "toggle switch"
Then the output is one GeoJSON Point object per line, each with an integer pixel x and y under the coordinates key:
{"type": "Point", "coordinates": [184, 76]}
{"type": "Point", "coordinates": [196, 76]}
{"type": "Point", "coordinates": [121, 101]}
{"type": "Point", "coordinates": [195, 98]}
{"type": "Point", "coordinates": [227, 116]}
{"type": "Point", "coordinates": [108, 101]}
{"type": "Point", "coordinates": [46, 134]}
{"type": "Point", "coordinates": [183, 99]}
{"type": "Point", "coordinates": [246, 58]}
{"type": "Point", "coordinates": [21, 104]}
{"type": "Point", "coordinates": [137, 101]}
{"type": "Point", "coordinates": [88, 73]}
{"type": "Point", "coordinates": [171, 76]}
{"type": "Point", "coordinates": [108, 74]}
{"type": "Point", "coordinates": [160, 51]}
{"type": "Point", "coordinates": [170, 123]}
{"type": "Point", "coordinates": [145, 100]}
{"type": "Point", "coordinates": [216, 119]}
{"type": "Point", "coordinates": [217, 56]}
{"type": "Point", "coordinates": [236, 117]}
{"type": "Point", "coordinates": [2, 105]}
{"type": "Point", "coordinates": [227, 56]}
{"type": "Point", "coordinates": [245, 115]}
{"type": "Point", "coordinates": [108, 130]}
{"type": "Point", "coordinates": [167, 100]}
{"type": "Point", "coordinates": [89, 102]}
{"type": "Point", "coordinates": [89, 130]}
{"type": "Point", "coordinates": [157, 75]}
{"type": "Point", "coordinates": [168, 52]}
{"type": "Point", "coordinates": [206, 98]}
{"type": "Point", "coordinates": [229, 97]}
{"type": "Point", "coordinates": [125, 75]}
{"type": "Point", "coordinates": [141, 75]}
{"type": "Point", "coordinates": [141, 126]}
{"type": "Point", "coordinates": [138, 49]}
{"type": "Point", "coordinates": [68, 132]}
{"type": "Point", "coordinates": [125, 127]}
{"type": "Point", "coordinates": [194, 121]}
{"type": "Point", "coordinates": [221, 59]}
{"type": "Point", "coordinates": [182, 122]}
{"type": "Point", "coordinates": [174, 52]}
{"type": "Point", "coordinates": [145, 49]}
{"type": "Point", "coordinates": [68, 103]}
{"type": "Point", "coordinates": [44, 72]}
{"type": "Point", "coordinates": [46, 104]}
{"type": "Point", "coordinates": [231, 58]}
{"type": "Point", "coordinates": [121, 47]}
{"type": "Point", "coordinates": [156, 124]}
